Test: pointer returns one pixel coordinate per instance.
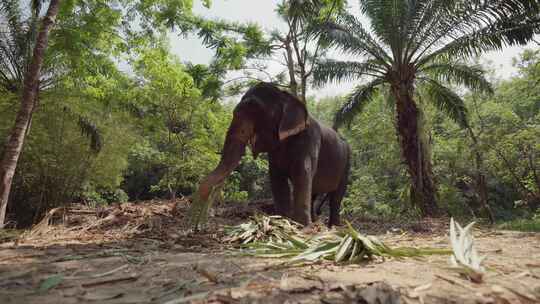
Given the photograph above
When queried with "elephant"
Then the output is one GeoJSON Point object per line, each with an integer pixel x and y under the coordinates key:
{"type": "Point", "coordinates": [301, 150]}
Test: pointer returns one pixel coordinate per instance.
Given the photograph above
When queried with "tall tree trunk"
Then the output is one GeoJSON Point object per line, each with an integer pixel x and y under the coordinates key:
{"type": "Point", "coordinates": [416, 152]}
{"type": "Point", "coordinates": [15, 142]}
{"type": "Point", "coordinates": [303, 87]}
{"type": "Point", "coordinates": [293, 85]}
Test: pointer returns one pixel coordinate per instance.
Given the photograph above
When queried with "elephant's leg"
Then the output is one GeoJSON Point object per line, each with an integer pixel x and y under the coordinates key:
{"type": "Point", "coordinates": [335, 204]}
{"type": "Point", "coordinates": [281, 192]}
{"type": "Point", "coordinates": [314, 199]}
{"type": "Point", "coordinates": [335, 199]}
{"type": "Point", "coordinates": [302, 183]}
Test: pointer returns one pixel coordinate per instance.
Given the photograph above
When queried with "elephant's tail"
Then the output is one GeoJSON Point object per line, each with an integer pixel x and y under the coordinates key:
{"type": "Point", "coordinates": [318, 210]}
{"type": "Point", "coordinates": [347, 166]}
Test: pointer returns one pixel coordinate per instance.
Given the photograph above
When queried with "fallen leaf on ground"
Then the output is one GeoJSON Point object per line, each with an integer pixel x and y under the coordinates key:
{"type": "Point", "coordinates": [50, 283]}
{"type": "Point", "coordinates": [101, 295]}
{"type": "Point", "coordinates": [211, 276]}
{"type": "Point", "coordinates": [416, 293]}
{"type": "Point", "coordinates": [109, 281]}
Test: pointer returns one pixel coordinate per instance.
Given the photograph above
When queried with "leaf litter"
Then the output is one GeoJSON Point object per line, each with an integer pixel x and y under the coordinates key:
{"type": "Point", "coordinates": [145, 252]}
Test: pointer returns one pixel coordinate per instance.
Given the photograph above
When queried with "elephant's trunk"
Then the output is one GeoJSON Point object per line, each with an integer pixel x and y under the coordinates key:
{"type": "Point", "coordinates": [233, 150]}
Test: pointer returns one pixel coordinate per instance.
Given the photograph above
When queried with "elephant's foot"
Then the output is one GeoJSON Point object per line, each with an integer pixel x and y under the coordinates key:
{"type": "Point", "coordinates": [311, 229]}
{"type": "Point", "coordinates": [334, 222]}
{"type": "Point", "coordinates": [283, 213]}
{"type": "Point", "coordinates": [303, 218]}
{"type": "Point", "coordinates": [279, 211]}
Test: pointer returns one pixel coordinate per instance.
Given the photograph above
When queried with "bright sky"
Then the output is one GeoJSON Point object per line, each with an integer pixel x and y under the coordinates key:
{"type": "Point", "coordinates": [263, 13]}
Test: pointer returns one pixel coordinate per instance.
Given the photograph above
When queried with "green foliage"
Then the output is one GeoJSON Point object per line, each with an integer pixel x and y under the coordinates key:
{"type": "Point", "coordinates": [58, 161]}
{"type": "Point", "coordinates": [103, 197]}
{"type": "Point", "coordinates": [93, 198]}
{"type": "Point", "coordinates": [233, 42]}
{"type": "Point", "coordinates": [531, 225]}
{"type": "Point", "coordinates": [119, 117]}
{"type": "Point", "coordinates": [425, 45]}
{"type": "Point", "coordinates": [507, 131]}
{"type": "Point", "coordinates": [506, 128]}
{"type": "Point", "coordinates": [97, 128]}
{"type": "Point", "coordinates": [182, 132]}
{"type": "Point", "coordinates": [232, 191]}
{"type": "Point", "coordinates": [253, 177]}
{"type": "Point", "coordinates": [414, 52]}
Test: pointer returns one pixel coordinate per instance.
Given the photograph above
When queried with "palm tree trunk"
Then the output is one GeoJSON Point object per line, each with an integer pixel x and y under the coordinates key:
{"type": "Point", "coordinates": [15, 142]}
{"type": "Point", "coordinates": [416, 153]}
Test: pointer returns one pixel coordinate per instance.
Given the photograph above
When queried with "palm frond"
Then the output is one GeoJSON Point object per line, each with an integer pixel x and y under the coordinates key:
{"type": "Point", "coordinates": [457, 73]}
{"type": "Point", "coordinates": [489, 39]}
{"type": "Point", "coordinates": [342, 246]}
{"type": "Point", "coordinates": [348, 35]}
{"type": "Point", "coordinates": [479, 28]}
{"type": "Point", "coordinates": [389, 21]}
{"type": "Point", "coordinates": [36, 7]}
{"type": "Point", "coordinates": [336, 71]}
{"type": "Point", "coordinates": [425, 17]}
{"type": "Point", "coordinates": [9, 9]}
{"type": "Point", "coordinates": [17, 39]}
{"type": "Point", "coordinates": [356, 101]}
{"type": "Point", "coordinates": [445, 99]}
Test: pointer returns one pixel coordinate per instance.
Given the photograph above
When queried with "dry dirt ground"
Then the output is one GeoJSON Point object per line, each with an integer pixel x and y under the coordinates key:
{"type": "Point", "coordinates": [143, 253]}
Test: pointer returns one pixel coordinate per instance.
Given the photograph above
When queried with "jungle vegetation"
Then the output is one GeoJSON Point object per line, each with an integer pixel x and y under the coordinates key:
{"type": "Point", "coordinates": [114, 115]}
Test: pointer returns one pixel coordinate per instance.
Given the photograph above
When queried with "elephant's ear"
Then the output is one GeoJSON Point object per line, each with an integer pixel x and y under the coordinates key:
{"type": "Point", "coordinates": [293, 118]}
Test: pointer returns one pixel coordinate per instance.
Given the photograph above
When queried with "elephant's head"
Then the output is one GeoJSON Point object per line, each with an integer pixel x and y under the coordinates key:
{"type": "Point", "coordinates": [265, 117]}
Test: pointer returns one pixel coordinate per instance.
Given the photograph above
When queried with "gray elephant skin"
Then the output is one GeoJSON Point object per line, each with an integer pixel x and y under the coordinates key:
{"type": "Point", "coordinates": [302, 153]}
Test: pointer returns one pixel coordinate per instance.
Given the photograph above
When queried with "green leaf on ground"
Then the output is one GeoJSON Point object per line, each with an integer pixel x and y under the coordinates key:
{"type": "Point", "coordinates": [50, 283]}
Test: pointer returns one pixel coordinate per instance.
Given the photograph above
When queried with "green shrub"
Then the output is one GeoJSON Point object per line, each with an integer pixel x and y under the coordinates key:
{"type": "Point", "coordinates": [529, 225]}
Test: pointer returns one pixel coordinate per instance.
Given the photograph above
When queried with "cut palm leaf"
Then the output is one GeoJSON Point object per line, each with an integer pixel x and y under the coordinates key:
{"type": "Point", "coordinates": [465, 259]}
{"type": "Point", "coordinates": [198, 212]}
{"type": "Point", "coordinates": [347, 245]}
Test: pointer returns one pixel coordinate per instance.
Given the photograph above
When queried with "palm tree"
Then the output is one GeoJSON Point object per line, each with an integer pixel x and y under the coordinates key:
{"type": "Point", "coordinates": [17, 39]}
{"type": "Point", "coordinates": [416, 49]}
{"type": "Point", "coordinates": [15, 141]}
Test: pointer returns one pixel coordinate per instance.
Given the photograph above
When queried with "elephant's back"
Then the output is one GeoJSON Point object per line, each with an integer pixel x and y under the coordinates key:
{"type": "Point", "coordinates": [332, 162]}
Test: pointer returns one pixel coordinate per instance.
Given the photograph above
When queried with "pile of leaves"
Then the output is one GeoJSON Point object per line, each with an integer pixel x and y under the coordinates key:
{"type": "Point", "coordinates": [276, 237]}
{"type": "Point", "coordinates": [261, 228]}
